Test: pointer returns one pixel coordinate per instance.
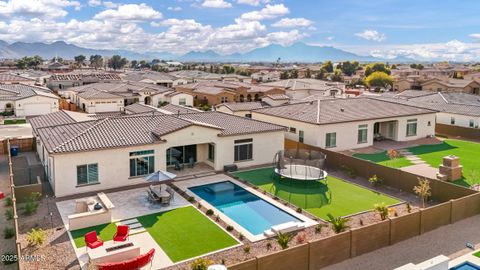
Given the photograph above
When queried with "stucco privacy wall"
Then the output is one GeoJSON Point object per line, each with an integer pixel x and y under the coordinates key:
{"type": "Point", "coordinates": [456, 131]}
{"type": "Point", "coordinates": [347, 133]}
{"type": "Point", "coordinates": [113, 164]}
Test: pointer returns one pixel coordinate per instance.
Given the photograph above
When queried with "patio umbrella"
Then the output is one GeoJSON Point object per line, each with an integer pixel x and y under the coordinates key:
{"type": "Point", "coordinates": [160, 176]}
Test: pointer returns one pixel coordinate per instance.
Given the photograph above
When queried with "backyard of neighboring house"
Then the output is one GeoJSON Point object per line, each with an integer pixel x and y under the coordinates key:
{"type": "Point", "coordinates": [338, 197]}
{"type": "Point", "coordinates": [432, 154]}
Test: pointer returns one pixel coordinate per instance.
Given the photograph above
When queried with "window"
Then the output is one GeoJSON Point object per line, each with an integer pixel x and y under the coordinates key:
{"type": "Point", "coordinates": [142, 163]}
{"type": "Point", "coordinates": [248, 115]}
{"type": "Point", "coordinates": [411, 127]}
{"type": "Point", "coordinates": [182, 101]}
{"type": "Point", "coordinates": [301, 136]}
{"type": "Point", "coordinates": [452, 120]}
{"type": "Point", "coordinates": [429, 123]}
{"type": "Point", "coordinates": [243, 150]}
{"type": "Point", "coordinates": [87, 174]}
{"type": "Point", "coordinates": [472, 123]}
{"type": "Point", "coordinates": [331, 140]}
{"type": "Point", "coordinates": [224, 99]}
{"type": "Point", "coordinates": [292, 130]}
{"type": "Point", "coordinates": [362, 133]}
{"type": "Point", "coordinates": [211, 152]}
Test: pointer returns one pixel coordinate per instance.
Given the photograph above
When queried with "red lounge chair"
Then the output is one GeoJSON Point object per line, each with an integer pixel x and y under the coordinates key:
{"type": "Point", "coordinates": [92, 240]}
{"type": "Point", "coordinates": [122, 233]}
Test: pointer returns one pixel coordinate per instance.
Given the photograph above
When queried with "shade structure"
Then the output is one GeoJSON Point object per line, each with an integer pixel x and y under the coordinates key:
{"type": "Point", "coordinates": [160, 176]}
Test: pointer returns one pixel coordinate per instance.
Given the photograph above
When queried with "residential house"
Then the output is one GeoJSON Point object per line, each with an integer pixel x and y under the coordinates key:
{"type": "Point", "coordinates": [193, 76]}
{"type": "Point", "coordinates": [8, 78]}
{"type": "Point", "coordinates": [66, 80]}
{"type": "Point", "coordinates": [453, 85]}
{"type": "Point", "coordinates": [343, 124]}
{"type": "Point", "coordinates": [153, 77]}
{"type": "Point", "coordinates": [40, 77]}
{"type": "Point", "coordinates": [82, 155]}
{"type": "Point", "coordinates": [240, 108]}
{"type": "Point", "coordinates": [266, 76]}
{"type": "Point", "coordinates": [301, 88]}
{"type": "Point", "coordinates": [27, 100]}
{"type": "Point", "coordinates": [457, 109]}
{"type": "Point", "coordinates": [216, 92]}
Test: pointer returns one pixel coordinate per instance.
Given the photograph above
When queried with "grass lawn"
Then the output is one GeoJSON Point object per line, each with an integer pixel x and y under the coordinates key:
{"type": "Point", "coordinates": [184, 233]}
{"type": "Point", "coordinates": [339, 198]}
{"type": "Point", "coordinates": [383, 159]}
{"type": "Point", "coordinates": [477, 254]}
{"type": "Point", "coordinates": [105, 232]}
{"type": "Point", "coordinates": [467, 151]}
{"type": "Point", "coordinates": [13, 122]}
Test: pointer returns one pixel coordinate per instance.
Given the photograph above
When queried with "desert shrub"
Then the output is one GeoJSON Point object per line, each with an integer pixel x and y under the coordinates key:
{"type": "Point", "coordinates": [382, 210]}
{"type": "Point", "coordinates": [299, 210]}
{"type": "Point", "coordinates": [209, 212]}
{"type": "Point", "coordinates": [217, 218]}
{"type": "Point", "coordinates": [36, 237]}
{"type": "Point", "coordinates": [200, 264]}
{"type": "Point", "coordinates": [241, 237]}
{"type": "Point", "coordinates": [283, 239]}
{"type": "Point", "coordinates": [9, 214]}
{"type": "Point", "coordinates": [409, 207]}
{"type": "Point", "coordinates": [8, 232]}
{"type": "Point", "coordinates": [30, 208]}
{"type": "Point", "coordinates": [191, 199]}
{"type": "Point", "coordinates": [269, 245]}
{"type": "Point", "coordinates": [301, 237]}
{"type": "Point", "coordinates": [229, 228]}
{"type": "Point", "coordinates": [246, 249]}
{"type": "Point", "coordinates": [349, 171]}
{"type": "Point", "coordinates": [8, 201]}
{"type": "Point", "coordinates": [339, 224]}
{"type": "Point", "coordinates": [374, 180]}
{"type": "Point", "coordinates": [319, 227]}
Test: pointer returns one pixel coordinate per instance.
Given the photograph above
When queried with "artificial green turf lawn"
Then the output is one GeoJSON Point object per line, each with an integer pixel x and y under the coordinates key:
{"type": "Point", "coordinates": [104, 231]}
{"type": "Point", "coordinates": [477, 254]}
{"type": "Point", "coordinates": [339, 198]}
{"type": "Point", "coordinates": [13, 122]}
{"type": "Point", "coordinates": [184, 233]}
{"type": "Point", "coordinates": [383, 159]}
{"type": "Point", "coordinates": [467, 151]}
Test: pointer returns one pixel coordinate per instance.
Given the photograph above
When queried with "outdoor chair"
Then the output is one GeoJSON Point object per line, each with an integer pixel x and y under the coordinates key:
{"type": "Point", "coordinates": [92, 240]}
{"type": "Point", "coordinates": [191, 162]}
{"type": "Point", "coordinates": [152, 196]}
{"type": "Point", "coordinates": [122, 233]}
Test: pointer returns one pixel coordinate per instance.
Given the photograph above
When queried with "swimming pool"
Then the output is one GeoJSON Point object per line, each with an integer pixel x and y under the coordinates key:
{"type": "Point", "coordinates": [246, 209]}
{"type": "Point", "coordinates": [466, 266]}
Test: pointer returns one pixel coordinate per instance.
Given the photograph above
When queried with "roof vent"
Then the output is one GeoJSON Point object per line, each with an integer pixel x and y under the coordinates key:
{"type": "Point", "coordinates": [342, 109]}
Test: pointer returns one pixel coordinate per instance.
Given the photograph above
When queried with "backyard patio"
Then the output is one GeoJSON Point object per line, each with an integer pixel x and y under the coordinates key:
{"type": "Point", "coordinates": [339, 197]}
{"type": "Point", "coordinates": [174, 230]}
{"type": "Point", "coordinates": [418, 159]}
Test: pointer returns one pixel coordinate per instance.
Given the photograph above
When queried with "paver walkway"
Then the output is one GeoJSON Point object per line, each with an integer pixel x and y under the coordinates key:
{"type": "Point", "coordinates": [419, 167]}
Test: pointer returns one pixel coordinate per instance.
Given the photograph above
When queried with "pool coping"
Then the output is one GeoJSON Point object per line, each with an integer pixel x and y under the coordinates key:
{"type": "Point", "coordinates": [465, 258]}
{"type": "Point", "coordinates": [186, 184]}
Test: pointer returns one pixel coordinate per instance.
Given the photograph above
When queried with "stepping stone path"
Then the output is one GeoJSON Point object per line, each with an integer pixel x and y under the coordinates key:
{"type": "Point", "coordinates": [135, 226]}
{"type": "Point", "coordinates": [411, 157]}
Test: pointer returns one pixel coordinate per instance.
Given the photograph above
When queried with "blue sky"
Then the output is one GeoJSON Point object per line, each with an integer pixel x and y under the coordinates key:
{"type": "Point", "coordinates": [421, 29]}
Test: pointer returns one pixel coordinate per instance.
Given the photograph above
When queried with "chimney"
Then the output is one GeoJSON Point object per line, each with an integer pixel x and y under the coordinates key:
{"type": "Point", "coordinates": [318, 111]}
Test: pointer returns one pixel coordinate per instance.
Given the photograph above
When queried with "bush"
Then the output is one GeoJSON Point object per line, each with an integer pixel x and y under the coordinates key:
{"type": "Point", "coordinates": [246, 249]}
{"type": "Point", "coordinates": [349, 171]}
{"type": "Point", "coordinates": [229, 228]}
{"type": "Point", "coordinates": [8, 232]}
{"type": "Point", "coordinates": [374, 180]}
{"type": "Point", "coordinates": [283, 239]}
{"type": "Point", "coordinates": [409, 207]}
{"type": "Point", "coordinates": [35, 196]}
{"type": "Point", "coordinates": [191, 199]}
{"type": "Point", "coordinates": [36, 237]}
{"type": "Point", "coordinates": [301, 237]}
{"type": "Point", "coordinates": [382, 210]}
{"type": "Point", "coordinates": [217, 218]}
{"type": "Point", "coordinates": [299, 210]}
{"type": "Point", "coordinates": [339, 224]}
{"type": "Point", "coordinates": [199, 205]}
{"type": "Point", "coordinates": [269, 245]}
{"type": "Point", "coordinates": [9, 213]}
{"type": "Point", "coordinates": [9, 258]}
{"type": "Point", "coordinates": [201, 264]}
{"type": "Point", "coordinates": [8, 201]}
{"type": "Point", "coordinates": [30, 208]}
{"type": "Point", "coordinates": [241, 237]}
{"type": "Point", "coordinates": [319, 227]}
{"type": "Point", "coordinates": [209, 212]}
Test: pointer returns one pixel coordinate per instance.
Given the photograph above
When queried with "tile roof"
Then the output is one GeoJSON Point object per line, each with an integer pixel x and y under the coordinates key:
{"type": "Point", "coordinates": [6, 77]}
{"type": "Point", "coordinates": [305, 84]}
{"type": "Point", "coordinates": [277, 96]}
{"type": "Point", "coordinates": [342, 110]}
{"type": "Point", "coordinates": [21, 91]}
{"type": "Point", "coordinates": [232, 124]}
{"type": "Point", "coordinates": [51, 119]}
{"type": "Point", "coordinates": [242, 106]}
{"type": "Point", "coordinates": [139, 108]}
{"type": "Point", "coordinates": [175, 109]}
{"type": "Point", "coordinates": [456, 103]}
{"type": "Point", "coordinates": [217, 87]}
{"type": "Point", "coordinates": [139, 76]}
{"type": "Point", "coordinates": [91, 94]}
{"type": "Point", "coordinates": [85, 76]}
{"type": "Point", "coordinates": [121, 88]}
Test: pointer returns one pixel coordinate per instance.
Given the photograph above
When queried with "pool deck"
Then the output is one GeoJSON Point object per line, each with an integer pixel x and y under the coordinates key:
{"type": "Point", "coordinates": [465, 258]}
{"type": "Point", "coordinates": [184, 185]}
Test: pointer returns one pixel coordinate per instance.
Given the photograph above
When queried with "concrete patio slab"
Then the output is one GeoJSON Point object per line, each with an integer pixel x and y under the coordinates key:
{"type": "Point", "coordinates": [423, 169]}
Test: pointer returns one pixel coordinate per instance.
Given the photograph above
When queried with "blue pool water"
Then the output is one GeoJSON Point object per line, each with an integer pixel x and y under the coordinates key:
{"type": "Point", "coordinates": [466, 266]}
{"type": "Point", "coordinates": [243, 207]}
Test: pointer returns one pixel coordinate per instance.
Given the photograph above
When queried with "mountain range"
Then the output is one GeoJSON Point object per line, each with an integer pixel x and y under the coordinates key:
{"type": "Point", "coordinates": [298, 52]}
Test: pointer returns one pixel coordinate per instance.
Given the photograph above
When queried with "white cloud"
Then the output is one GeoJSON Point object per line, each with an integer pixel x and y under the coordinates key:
{"type": "Point", "coordinates": [475, 36]}
{"type": "Point", "coordinates": [216, 4]}
{"type": "Point", "coordinates": [292, 22]}
{"type": "Point", "coordinates": [94, 3]}
{"type": "Point", "coordinates": [175, 8]}
{"type": "Point", "coordinates": [36, 8]}
{"type": "Point", "coordinates": [330, 38]}
{"type": "Point", "coordinates": [268, 12]}
{"type": "Point", "coordinates": [109, 4]}
{"type": "Point", "coordinates": [129, 12]}
{"type": "Point", "coordinates": [253, 2]}
{"type": "Point", "coordinates": [371, 35]}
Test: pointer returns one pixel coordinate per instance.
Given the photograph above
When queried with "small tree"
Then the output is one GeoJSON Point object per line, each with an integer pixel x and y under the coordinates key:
{"type": "Point", "coordinates": [339, 224]}
{"type": "Point", "coordinates": [374, 180]}
{"type": "Point", "coordinates": [382, 210]}
{"type": "Point", "coordinates": [201, 264]}
{"type": "Point", "coordinates": [36, 237]}
{"type": "Point", "coordinates": [472, 177]}
{"type": "Point", "coordinates": [393, 154]}
{"type": "Point", "coordinates": [423, 190]}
